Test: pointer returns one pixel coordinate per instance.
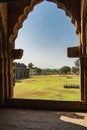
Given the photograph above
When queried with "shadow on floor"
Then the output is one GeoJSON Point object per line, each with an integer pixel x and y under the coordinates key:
{"type": "Point", "coordinates": [24, 119]}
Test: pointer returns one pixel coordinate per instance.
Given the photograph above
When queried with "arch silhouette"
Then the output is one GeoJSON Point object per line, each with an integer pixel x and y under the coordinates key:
{"type": "Point", "coordinates": [30, 7]}
{"type": "Point", "coordinates": [50, 16]}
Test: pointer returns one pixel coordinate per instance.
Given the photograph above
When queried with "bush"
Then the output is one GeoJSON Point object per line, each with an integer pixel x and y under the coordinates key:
{"type": "Point", "coordinates": [71, 86]}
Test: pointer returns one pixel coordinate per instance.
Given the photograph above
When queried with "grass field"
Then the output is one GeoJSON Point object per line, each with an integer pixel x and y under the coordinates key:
{"type": "Point", "coordinates": [48, 88]}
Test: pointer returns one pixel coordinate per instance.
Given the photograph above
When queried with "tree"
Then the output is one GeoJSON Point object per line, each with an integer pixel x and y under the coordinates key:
{"type": "Point", "coordinates": [30, 65]}
{"type": "Point", "coordinates": [65, 70]}
{"type": "Point", "coordinates": [38, 71]}
{"type": "Point", "coordinates": [47, 71]}
{"type": "Point", "coordinates": [77, 63]}
{"type": "Point", "coordinates": [75, 69]}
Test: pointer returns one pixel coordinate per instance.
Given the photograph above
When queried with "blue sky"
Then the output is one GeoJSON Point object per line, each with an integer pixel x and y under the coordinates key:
{"type": "Point", "coordinates": [45, 36]}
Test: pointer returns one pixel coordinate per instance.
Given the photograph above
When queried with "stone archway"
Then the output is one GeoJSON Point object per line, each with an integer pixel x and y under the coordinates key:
{"type": "Point", "coordinates": [76, 10]}
{"type": "Point", "coordinates": [75, 16]}
{"type": "Point", "coordinates": [29, 7]}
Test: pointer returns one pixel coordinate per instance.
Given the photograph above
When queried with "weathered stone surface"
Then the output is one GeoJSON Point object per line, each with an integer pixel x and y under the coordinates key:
{"type": "Point", "coordinates": [22, 119]}
{"type": "Point", "coordinates": [16, 54]}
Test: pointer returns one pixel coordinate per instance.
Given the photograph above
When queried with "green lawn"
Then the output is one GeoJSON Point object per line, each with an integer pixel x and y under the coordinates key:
{"type": "Point", "coordinates": [47, 87]}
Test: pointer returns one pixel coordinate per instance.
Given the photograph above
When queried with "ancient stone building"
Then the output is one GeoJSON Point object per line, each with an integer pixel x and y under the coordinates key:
{"type": "Point", "coordinates": [20, 71]}
{"type": "Point", "coordinates": [12, 15]}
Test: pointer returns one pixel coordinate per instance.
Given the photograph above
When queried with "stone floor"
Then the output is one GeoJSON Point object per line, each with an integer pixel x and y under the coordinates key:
{"type": "Point", "coordinates": [24, 119]}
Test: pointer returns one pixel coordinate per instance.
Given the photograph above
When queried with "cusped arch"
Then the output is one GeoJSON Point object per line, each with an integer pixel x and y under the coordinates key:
{"type": "Point", "coordinates": [27, 9]}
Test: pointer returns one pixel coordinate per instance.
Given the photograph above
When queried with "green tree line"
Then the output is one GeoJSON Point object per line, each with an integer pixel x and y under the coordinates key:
{"type": "Point", "coordinates": [48, 71]}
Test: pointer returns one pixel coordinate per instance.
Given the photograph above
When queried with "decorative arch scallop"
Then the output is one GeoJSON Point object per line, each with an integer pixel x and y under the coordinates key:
{"type": "Point", "coordinates": [29, 6]}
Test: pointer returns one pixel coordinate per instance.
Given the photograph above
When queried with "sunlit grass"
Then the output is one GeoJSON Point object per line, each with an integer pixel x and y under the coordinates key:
{"type": "Point", "coordinates": [47, 87]}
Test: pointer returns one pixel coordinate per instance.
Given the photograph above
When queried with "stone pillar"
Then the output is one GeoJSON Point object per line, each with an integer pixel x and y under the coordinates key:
{"type": "Point", "coordinates": [1, 81]}
{"type": "Point", "coordinates": [3, 53]}
{"type": "Point", "coordinates": [85, 79]}
{"type": "Point", "coordinates": [6, 79]}
{"type": "Point", "coordinates": [84, 56]}
{"type": "Point", "coordinates": [82, 78]}
{"type": "Point", "coordinates": [10, 77]}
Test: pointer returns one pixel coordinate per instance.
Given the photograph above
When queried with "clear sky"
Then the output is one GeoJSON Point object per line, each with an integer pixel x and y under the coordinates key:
{"type": "Point", "coordinates": [45, 36]}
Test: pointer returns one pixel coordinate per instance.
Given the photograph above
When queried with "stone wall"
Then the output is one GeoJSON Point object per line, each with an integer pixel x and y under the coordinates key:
{"type": "Point", "coordinates": [21, 73]}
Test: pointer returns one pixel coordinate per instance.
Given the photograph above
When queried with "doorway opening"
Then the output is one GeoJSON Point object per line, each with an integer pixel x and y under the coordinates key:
{"type": "Point", "coordinates": [45, 45]}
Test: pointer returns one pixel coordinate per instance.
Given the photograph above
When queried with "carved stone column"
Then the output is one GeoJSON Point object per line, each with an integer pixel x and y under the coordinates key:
{"type": "Point", "coordinates": [7, 55]}
{"type": "Point", "coordinates": [3, 53]}
{"type": "Point", "coordinates": [1, 81]}
{"type": "Point", "coordinates": [85, 79]}
{"type": "Point", "coordinates": [83, 59]}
